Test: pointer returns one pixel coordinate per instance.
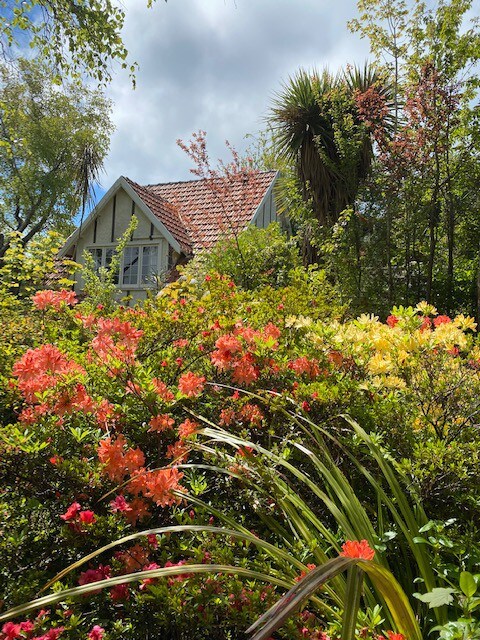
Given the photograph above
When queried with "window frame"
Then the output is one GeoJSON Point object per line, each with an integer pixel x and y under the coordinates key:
{"type": "Point", "coordinates": [140, 245]}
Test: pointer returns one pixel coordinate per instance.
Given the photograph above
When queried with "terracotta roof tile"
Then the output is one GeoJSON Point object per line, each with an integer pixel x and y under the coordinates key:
{"type": "Point", "coordinates": [199, 212]}
{"type": "Point", "coordinates": [166, 213]}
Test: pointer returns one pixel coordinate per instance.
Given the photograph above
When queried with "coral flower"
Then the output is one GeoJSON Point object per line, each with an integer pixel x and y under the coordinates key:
{"type": "Point", "coordinates": [356, 549]}
{"type": "Point", "coordinates": [441, 320]}
{"type": "Point", "coordinates": [162, 422]}
{"type": "Point", "coordinates": [187, 428]}
{"type": "Point", "coordinates": [191, 385]}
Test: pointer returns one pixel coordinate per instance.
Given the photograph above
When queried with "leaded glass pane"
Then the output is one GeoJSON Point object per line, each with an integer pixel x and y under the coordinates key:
{"type": "Point", "coordinates": [149, 263]}
{"type": "Point", "coordinates": [130, 265]}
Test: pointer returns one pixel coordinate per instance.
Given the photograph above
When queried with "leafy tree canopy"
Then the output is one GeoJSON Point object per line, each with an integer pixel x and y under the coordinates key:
{"type": "Point", "coordinates": [75, 35]}
{"type": "Point", "coordinates": [52, 143]}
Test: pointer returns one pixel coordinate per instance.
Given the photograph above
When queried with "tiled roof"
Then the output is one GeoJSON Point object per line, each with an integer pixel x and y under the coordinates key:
{"type": "Point", "coordinates": [166, 213]}
{"type": "Point", "coordinates": [199, 212]}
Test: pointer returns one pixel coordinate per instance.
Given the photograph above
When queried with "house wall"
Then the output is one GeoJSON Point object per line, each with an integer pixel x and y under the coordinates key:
{"type": "Point", "coordinates": [267, 213]}
{"type": "Point", "coordinates": [109, 225]}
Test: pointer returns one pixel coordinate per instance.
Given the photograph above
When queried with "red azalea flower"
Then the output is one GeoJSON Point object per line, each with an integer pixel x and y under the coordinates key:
{"type": "Point", "coordinates": [392, 321]}
{"type": "Point", "coordinates": [11, 631]}
{"type": "Point", "coordinates": [152, 540]}
{"type": "Point", "coordinates": [119, 592]}
{"type": "Point", "coordinates": [72, 512]}
{"type": "Point", "coordinates": [87, 517]}
{"type": "Point", "coordinates": [120, 504]}
{"type": "Point", "coordinates": [395, 636]}
{"type": "Point", "coordinates": [356, 549]}
{"type": "Point", "coordinates": [441, 320]}
{"type": "Point", "coordinates": [96, 633]}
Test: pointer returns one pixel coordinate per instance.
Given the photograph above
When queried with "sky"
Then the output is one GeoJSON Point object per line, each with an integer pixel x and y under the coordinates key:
{"type": "Point", "coordinates": [214, 65]}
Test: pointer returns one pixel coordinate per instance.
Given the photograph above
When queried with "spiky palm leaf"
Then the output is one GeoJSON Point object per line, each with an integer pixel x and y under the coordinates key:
{"type": "Point", "coordinates": [306, 115]}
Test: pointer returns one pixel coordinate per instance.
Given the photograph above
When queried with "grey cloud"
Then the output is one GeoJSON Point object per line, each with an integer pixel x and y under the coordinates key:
{"type": "Point", "coordinates": [214, 65]}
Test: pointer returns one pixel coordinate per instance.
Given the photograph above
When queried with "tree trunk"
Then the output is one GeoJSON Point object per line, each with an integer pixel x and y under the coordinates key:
{"type": "Point", "coordinates": [432, 224]}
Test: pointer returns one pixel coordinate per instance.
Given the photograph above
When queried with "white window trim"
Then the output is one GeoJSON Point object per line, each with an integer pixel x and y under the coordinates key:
{"type": "Point", "coordinates": [135, 243]}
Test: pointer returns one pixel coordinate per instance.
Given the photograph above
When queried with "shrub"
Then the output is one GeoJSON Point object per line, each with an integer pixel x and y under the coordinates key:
{"type": "Point", "coordinates": [255, 258]}
{"type": "Point", "coordinates": [105, 406]}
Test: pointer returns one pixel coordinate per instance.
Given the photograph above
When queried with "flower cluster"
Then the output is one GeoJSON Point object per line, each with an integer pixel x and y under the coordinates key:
{"type": "Point", "coordinates": [49, 299]}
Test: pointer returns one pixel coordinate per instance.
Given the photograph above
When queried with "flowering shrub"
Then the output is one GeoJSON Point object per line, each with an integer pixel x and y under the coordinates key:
{"type": "Point", "coordinates": [106, 412]}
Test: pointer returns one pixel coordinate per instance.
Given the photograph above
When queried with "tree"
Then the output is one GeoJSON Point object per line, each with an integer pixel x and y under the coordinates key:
{"type": "Point", "coordinates": [317, 128]}
{"type": "Point", "coordinates": [422, 180]}
{"type": "Point", "coordinates": [52, 144]}
{"type": "Point", "coordinates": [75, 35]}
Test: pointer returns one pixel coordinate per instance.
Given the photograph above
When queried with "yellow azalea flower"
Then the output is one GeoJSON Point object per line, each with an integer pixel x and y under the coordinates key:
{"type": "Point", "coordinates": [381, 344]}
{"type": "Point", "coordinates": [402, 356]}
{"type": "Point", "coordinates": [366, 319]}
{"type": "Point", "coordinates": [449, 336]}
{"type": "Point", "coordinates": [426, 309]}
{"type": "Point", "coordinates": [394, 382]}
{"type": "Point", "coordinates": [298, 322]}
{"type": "Point", "coordinates": [465, 322]}
{"type": "Point", "coordinates": [379, 364]}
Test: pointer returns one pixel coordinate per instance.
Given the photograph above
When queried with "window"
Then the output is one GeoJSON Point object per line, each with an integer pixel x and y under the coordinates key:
{"type": "Point", "coordinates": [149, 263]}
{"type": "Point", "coordinates": [108, 259]}
{"type": "Point", "coordinates": [97, 258]}
{"type": "Point", "coordinates": [130, 265]}
{"type": "Point", "coordinates": [102, 257]}
{"type": "Point", "coordinates": [139, 265]}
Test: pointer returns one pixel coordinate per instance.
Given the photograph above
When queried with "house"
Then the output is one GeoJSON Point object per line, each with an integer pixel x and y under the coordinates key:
{"type": "Point", "coordinates": [175, 221]}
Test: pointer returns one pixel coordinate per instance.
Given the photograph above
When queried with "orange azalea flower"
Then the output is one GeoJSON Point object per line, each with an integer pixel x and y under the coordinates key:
{"type": "Point", "coordinates": [162, 422]}
{"type": "Point", "coordinates": [118, 461]}
{"type": "Point", "coordinates": [251, 413]}
{"type": "Point", "coordinates": [187, 428]}
{"type": "Point", "coordinates": [356, 549]}
{"type": "Point", "coordinates": [191, 385]}
{"type": "Point", "coordinates": [54, 299]}
{"type": "Point", "coordinates": [395, 636]}
{"type": "Point", "coordinates": [161, 388]}
{"type": "Point", "coordinates": [227, 416]}
{"type": "Point", "coordinates": [244, 372]}
{"type": "Point", "coordinates": [41, 369]}
{"type": "Point", "coordinates": [160, 485]}
{"type": "Point", "coordinates": [138, 511]}
{"type": "Point", "coordinates": [226, 346]}
{"type": "Point", "coordinates": [177, 451]}
{"type": "Point", "coordinates": [305, 366]}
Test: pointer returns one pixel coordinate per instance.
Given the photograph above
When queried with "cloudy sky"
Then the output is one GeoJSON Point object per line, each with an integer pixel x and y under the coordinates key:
{"type": "Point", "coordinates": [214, 65]}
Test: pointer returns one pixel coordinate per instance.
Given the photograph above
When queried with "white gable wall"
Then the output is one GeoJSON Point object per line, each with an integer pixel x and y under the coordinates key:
{"type": "Point", "coordinates": [111, 221]}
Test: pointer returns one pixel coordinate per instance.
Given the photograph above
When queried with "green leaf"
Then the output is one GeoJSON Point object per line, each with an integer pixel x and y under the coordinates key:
{"type": "Point", "coordinates": [467, 584]}
{"type": "Point", "coordinates": [437, 597]}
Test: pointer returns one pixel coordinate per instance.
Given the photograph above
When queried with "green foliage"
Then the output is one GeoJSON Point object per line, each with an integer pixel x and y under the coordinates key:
{"type": "Point", "coordinates": [242, 396]}
{"type": "Point", "coordinates": [47, 138]}
{"type": "Point", "coordinates": [26, 269]}
{"type": "Point", "coordinates": [99, 285]}
{"type": "Point", "coordinates": [74, 37]}
{"type": "Point", "coordinates": [317, 127]}
{"type": "Point", "coordinates": [255, 258]}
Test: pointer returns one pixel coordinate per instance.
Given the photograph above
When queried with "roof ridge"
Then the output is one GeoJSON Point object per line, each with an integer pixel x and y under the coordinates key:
{"type": "Point", "coordinates": [158, 184]}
